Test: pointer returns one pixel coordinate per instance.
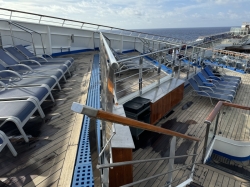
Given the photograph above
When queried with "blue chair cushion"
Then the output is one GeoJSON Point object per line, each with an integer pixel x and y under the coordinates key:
{"type": "Point", "coordinates": [19, 109]}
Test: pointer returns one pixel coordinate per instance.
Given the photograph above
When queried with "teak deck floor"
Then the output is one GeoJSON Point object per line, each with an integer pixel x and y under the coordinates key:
{"type": "Point", "coordinates": [48, 159]}
{"type": "Point", "coordinates": [191, 122]}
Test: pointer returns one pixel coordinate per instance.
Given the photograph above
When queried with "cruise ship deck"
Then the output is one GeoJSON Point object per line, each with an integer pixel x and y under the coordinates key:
{"type": "Point", "coordinates": [48, 159]}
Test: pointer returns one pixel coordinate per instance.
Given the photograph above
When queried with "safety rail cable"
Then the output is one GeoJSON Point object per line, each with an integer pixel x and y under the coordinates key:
{"type": "Point", "coordinates": [83, 174]}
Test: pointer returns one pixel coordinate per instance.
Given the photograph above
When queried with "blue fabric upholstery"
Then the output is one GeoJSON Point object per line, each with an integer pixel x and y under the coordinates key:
{"type": "Point", "coordinates": [38, 92]}
{"type": "Point", "coordinates": [19, 109]}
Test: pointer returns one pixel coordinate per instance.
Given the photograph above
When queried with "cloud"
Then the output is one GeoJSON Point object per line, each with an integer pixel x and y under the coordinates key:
{"type": "Point", "coordinates": [140, 13]}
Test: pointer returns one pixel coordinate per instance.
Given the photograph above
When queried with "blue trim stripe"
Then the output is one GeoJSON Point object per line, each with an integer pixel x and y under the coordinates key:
{"type": "Point", "coordinates": [72, 52]}
{"type": "Point", "coordinates": [156, 63]}
{"type": "Point", "coordinates": [83, 173]}
{"type": "Point", "coordinates": [129, 51]}
{"type": "Point", "coordinates": [231, 157]}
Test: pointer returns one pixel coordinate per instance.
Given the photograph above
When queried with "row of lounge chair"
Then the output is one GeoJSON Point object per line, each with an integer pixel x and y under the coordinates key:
{"type": "Point", "coordinates": [25, 82]}
{"type": "Point", "coordinates": [221, 87]}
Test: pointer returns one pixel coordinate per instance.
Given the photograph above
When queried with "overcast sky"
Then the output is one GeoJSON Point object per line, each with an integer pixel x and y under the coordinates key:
{"type": "Point", "coordinates": [137, 14]}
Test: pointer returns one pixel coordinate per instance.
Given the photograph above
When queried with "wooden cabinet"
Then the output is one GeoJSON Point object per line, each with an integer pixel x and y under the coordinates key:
{"type": "Point", "coordinates": [163, 105]}
{"type": "Point", "coordinates": [121, 175]}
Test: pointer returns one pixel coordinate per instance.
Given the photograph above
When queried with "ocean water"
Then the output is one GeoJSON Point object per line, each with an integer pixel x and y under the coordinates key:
{"type": "Point", "coordinates": [187, 34]}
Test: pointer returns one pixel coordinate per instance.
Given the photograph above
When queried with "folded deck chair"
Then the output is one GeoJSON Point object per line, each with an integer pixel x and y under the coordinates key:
{"type": "Point", "coordinates": [210, 75]}
{"type": "Point", "coordinates": [214, 89]}
{"type": "Point", "coordinates": [222, 82]}
{"type": "Point", "coordinates": [135, 64]}
{"type": "Point", "coordinates": [118, 56]}
{"type": "Point", "coordinates": [186, 62]}
{"type": "Point", "coordinates": [213, 83]}
{"type": "Point", "coordinates": [33, 63]}
{"type": "Point", "coordinates": [199, 92]}
{"type": "Point", "coordinates": [209, 70]}
{"type": "Point", "coordinates": [4, 140]}
{"type": "Point", "coordinates": [30, 55]}
{"type": "Point", "coordinates": [205, 78]}
{"type": "Point", "coordinates": [18, 112]}
{"type": "Point", "coordinates": [43, 71]}
{"type": "Point", "coordinates": [208, 62]}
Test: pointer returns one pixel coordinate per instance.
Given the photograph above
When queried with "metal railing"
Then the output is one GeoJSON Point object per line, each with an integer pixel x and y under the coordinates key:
{"type": "Point", "coordinates": [219, 122]}
{"type": "Point", "coordinates": [95, 114]}
{"type": "Point", "coordinates": [25, 29]}
{"type": "Point", "coordinates": [40, 18]}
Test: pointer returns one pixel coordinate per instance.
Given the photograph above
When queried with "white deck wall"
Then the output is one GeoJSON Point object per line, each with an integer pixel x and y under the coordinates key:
{"type": "Point", "coordinates": [58, 39]}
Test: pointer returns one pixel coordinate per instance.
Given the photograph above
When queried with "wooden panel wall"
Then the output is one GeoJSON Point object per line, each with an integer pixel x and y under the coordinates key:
{"type": "Point", "coordinates": [121, 175]}
{"type": "Point", "coordinates": [162, 106]}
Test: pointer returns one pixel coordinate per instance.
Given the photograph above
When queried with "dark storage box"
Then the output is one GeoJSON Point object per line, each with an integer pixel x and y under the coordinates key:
{"type": "Point", "coordinates": [145, 102]}
{"type": "Point", "coordinates": [133, 107]}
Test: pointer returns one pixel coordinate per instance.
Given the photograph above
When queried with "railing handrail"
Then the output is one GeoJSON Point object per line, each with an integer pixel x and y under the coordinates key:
{"type": "Point", "coordinates": [218, 106]}
{"type": "Point", "coordinates": [117, 164]}
{"type": "Point", "coordinates": [77, 21]}
{"type": "Point", "coordinates": [231, 52]}
{"type": "Point", "coordinates": [110, 27]}
{"type": "Point", "coordinates": [114, 118]}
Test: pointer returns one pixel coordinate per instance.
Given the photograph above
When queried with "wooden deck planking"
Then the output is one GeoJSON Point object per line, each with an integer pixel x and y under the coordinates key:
{"type": "Point", "coordinates": [62, 145]}
{"type": "Point", "coordinates": [198, 112]}
{"type": "Point", "coordinates": [51, 163]}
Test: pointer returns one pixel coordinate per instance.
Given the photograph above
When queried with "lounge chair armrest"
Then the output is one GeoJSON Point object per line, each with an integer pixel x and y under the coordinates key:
{"type": "Point", "coordinates": [207, 84]}
{"type": "Point", "coordinates": [212, 80]}
{"type": "Point", "coordinates": [47, 55]}
{"type": "Point", "coordinates": [34, 61]}
{"type": "Point", "coordinates": [4, 86]}
{"type": "Point", "coordinates": [204, 92]}
{"type": "Point", "coordinates": [216, 73]}
{"type": "Point", "coordinates": [11, 72]}
{"type": "Point", "coordinates": [23, 65]}
{"type": "Point", "coordinates": [215, 77]}
{"type": "Point", "coordinates": [206, 88]}
{"type": "Point", "coordinates": [39, 57]}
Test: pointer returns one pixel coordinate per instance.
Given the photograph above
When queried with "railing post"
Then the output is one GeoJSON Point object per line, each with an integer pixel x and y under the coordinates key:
{"type": "Point", "coordinates": [171, 161]}
{"type": "Point", "coordinates": [82, 25]}
{"type": "Point", "coordinates": [195, 69]}
{"type": "Point", "coordinates": [40, 19]}
{"type": "Point", "coordinates": [140, 75]}
{"type": "Point", "coordinates": [11, 33]}
{"type": "Point", "coordinates": [159, 67]}
{"type": "Point", "coordinates": [63, 22]}
{"type": "Point", "coordinates": [185, 53]}
{"type": "Point", "coordinates": [33, 44]}
{"type": "Point", "coordinates": [93, 141]}
{"type": "Point", "coordinates": [205, 142]}
{"type": "Point", "coordinates": [194, 159]}
{"type": "Point", "coordinates": [216, 123]}
{"type": "Point", "coordinates": [10, 14]}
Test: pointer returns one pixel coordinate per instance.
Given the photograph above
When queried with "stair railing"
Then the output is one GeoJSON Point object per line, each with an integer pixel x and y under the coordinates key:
{"type": "Point", "coordinates": [95, 114]}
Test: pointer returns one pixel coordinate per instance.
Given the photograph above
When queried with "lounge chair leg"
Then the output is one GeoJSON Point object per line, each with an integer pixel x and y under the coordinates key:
{"type": "Point", "coordinates": [26, 139]}
{"type": "Point", "coordinates": [64, 78]}
{"type": "Point", "coordinates": [211, 101]}
{"type": "Point", "coordinates": [51, 96]}
{"type": "Point", "coordinates": [10, 146]}
{"type": "Point", "coordinates": [40, 110]}
{"type": "Point", "coordinates": [59, 87]}
{"type": "Point", "coordinates": [69, 73]}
